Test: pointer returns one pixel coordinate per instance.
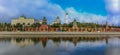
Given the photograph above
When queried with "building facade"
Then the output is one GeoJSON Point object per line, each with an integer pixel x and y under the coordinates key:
{"type": "Point", "coordinates": [23, 20]}
{"type": "Point", "coordinates": [40, 21]}
{"type": "Point", "coordinates": [56, 21]}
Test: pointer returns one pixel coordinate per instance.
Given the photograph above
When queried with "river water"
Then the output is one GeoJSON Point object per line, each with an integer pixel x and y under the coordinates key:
{"type": "Point", "coordinates": [59, 46]}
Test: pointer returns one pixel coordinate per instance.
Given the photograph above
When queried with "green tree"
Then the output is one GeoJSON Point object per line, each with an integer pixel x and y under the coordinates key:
{"type": "Point", "coordinates": [70, 24]}
{"type": "Point", "coordinates": [65, 25]}
{"type": "Point", "coordinates": [36, 25]}
{"type": "Point", "coordinates": [19, 26]}
{"type": "Point", "coordinates": [57, 25]}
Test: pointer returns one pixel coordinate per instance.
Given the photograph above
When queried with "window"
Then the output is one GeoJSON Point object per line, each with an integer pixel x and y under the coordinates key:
{"type": "Point", "coordinates": [23, 23]}
{"type": "Point", "coordinates": [28, 23]}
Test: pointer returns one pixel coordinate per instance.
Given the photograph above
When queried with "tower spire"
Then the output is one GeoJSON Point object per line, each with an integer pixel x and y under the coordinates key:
{"type": "Point", "coordinates": [66, 17]}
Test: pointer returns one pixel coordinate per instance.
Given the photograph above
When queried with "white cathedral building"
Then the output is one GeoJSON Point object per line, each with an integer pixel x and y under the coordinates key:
{"type": "Point", "coordinates": [57, 20]}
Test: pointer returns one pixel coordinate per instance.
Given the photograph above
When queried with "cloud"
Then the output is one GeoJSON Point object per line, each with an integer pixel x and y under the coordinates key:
{"type": "Point", "coordinates": [113, 8]}
{"type": "Point", "coordinates": [91, 44]}
{"type": "Point", "coordinates": [39, 8]}
{"type": "Point", "coordinates": [85, 17]}
{"type": "Point", "coordinates": [36, 9]}
{"type": "Point", "coordinates": [114, 19]}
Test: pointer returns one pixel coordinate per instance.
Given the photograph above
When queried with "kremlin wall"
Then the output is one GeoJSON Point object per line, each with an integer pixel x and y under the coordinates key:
{"type": "Point", "coordinates": [28, 24]}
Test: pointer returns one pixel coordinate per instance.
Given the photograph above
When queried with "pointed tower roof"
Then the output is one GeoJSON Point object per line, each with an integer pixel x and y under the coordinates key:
{"type": "Point", "coordinates": [74, 22]}
{"type": "Point", "coordinates": [66, 13]}
{"type": "Point", "coordinates": [58, 17]}
{"type": "Point", "coordinates": [74, 19]}
{"type": "Point", "coordinates": [44, 18]}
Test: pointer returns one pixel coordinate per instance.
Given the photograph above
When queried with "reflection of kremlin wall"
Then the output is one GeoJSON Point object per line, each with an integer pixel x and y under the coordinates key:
{"type": "Point", "coordinates": [26, 42]}
{"type": "Point", "coordinates": [23, 42]}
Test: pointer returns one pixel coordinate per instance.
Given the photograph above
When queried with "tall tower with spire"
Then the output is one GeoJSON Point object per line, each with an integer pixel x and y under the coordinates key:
{"type": "Point", "coordinates": [66, 17]}
{"type": "Point", "coordinates": [107, 27]}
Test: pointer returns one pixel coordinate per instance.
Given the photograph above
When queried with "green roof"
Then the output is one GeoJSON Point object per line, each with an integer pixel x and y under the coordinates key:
{"type": "Point", "coordinates": [74, 23]}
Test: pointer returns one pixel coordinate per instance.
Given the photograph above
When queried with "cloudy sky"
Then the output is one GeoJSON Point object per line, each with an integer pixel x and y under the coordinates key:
{"type": "Point", "coordinates": [83, 10]}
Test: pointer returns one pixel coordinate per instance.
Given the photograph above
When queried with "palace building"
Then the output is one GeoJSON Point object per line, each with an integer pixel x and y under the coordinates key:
{"type": "Point", "coordinates": [23, 20]}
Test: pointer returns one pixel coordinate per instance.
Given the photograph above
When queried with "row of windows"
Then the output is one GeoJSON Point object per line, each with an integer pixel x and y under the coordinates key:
{"type": "Point", "coordinates": [27, 23]}
{"type": "Point", "coordinates": [24, 23]}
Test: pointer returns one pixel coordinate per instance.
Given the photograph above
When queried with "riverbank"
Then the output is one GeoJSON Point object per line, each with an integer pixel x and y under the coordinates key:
{"type": "Point", "coordinates": [57, 34]}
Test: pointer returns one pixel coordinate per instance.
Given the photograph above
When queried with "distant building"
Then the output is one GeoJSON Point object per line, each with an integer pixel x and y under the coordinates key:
{"type": "Point", "coordinates": [66, 18]}
{"type": "Point", "coordinates": [23, 20]}
{"type": "Point", "coordinates": [40, 21]}
{"type": "Point", "coordinates": [75, 26]}
{"type": "Point", "coordinates": [74, 23]}
{"type": "Point", "coordinates": [44, 26]}
{"type": "Point", "coordinates": [44, 21]}
{"type": "Point", "coordinates": [107, 27]}
{"type": "Point", "coordinates": [56, 21]}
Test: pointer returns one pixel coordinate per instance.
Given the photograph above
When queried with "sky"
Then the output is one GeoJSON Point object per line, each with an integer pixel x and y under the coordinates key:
{"type": "Point", "coordinates": [96, 11]}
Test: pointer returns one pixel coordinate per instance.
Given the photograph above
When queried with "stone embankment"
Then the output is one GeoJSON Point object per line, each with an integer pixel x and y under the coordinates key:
{"type": "Point", "coordinates": [58, 34]}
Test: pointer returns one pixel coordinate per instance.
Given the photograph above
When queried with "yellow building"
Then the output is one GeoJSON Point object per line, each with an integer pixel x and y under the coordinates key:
{"type": "Point", "coordinates": [23, 20]}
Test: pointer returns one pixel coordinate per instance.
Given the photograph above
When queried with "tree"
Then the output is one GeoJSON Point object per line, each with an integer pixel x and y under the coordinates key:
{"type": "Point", "coordinates": [79, 24]}
{"type": "Point", "coordinates": [70, 24]}
{"type": "Point", "coordinates": [57, 25]}
{"type": "Point", "coordinates": [36, 25]}
{"type": "Point", "coordinates": [19, 26]}
{"type": "Point", "coordinates": [65, 25]}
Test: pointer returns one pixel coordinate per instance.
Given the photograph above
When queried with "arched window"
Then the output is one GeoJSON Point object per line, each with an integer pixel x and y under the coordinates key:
{"type": "Point", "coordinates": [23, 23]}
{"type": "Point", "coordinates": [28, 23]}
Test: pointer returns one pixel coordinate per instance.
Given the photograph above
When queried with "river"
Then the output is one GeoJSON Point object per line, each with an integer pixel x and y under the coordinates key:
{"type": "Point", "coordinates": [59, 46]}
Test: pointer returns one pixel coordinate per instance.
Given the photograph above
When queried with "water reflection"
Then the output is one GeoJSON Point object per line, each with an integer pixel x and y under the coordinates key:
{"type": "Point", "coordinates": [113, 46]}
{"type": "Point", "coordinates": [22, 42]}
{"type": "Point", "coordinates": [59, 46]}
